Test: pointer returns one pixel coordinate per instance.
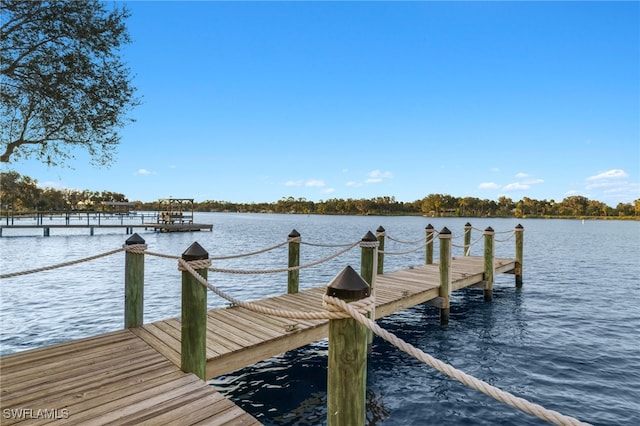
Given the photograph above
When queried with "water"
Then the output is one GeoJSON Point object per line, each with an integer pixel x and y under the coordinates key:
{"type": "Point", "coordinates": [569, 340]}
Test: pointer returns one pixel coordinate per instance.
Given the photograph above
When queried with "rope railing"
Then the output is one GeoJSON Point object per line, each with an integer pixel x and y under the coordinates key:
{"type": "Point", "coordinates": [323, 245]}
{"type": "Point", "coordinates": [62, 265]}
{"type": "Point", "coordinates": [338, 309]}
{"type": "Point", "coordinates": [280, 270]}
{"type": "Point", "coordinates": [405, 242]}
{"type": "Point", "coordinates": [363, 305]}
{"type": "Point", "coordinates": [396, 253]}
{"type": "Point", "coordinates": [470, 244]}
{"type": "Point", "coordinates": [510, 237]}
{"type": "Point", "coordinates": [137, 249]}
{"type": "Point", "coordinates": [452, 372]}
{"type": "Point", "coordinates": [495, 232]}
{"type": "Point", "coordinates": [420, 247]}
{"type": "Point", "coordinates": [253, 253]}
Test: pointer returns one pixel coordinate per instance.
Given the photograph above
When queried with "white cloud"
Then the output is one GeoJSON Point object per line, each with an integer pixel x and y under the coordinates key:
{"type": "Point", "coordinates": [603, 184]}
{"type": "Point", "coordinates": [488, 185]}
{"type": "Point", "coordinates": [495, 169]}
{"type": "Point", "coordinates": [524, 182]}
{"type": "Point", "coordinates": [374, 176]}
{"type": "Point", "coordinates": [314, 182]}
{"type": "Point", "coordinates": [377, 174]}
{"type": "Point", "coordinates": [293, 183]}
{"type": "Point", "coordinates": [328, 190]}
{"type": "Point", "coordinates": [143, 172]}
{"type": "Point", "coordinates": [610, 174]}
{"type": "Point", "coordinates": [612, 186]}
{"type": "Point", "coordinates": [572, 192]}
{"type": "Point", "coordinates": [516, 186]}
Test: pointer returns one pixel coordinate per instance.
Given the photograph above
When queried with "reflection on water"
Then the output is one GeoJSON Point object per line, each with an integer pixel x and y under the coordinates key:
{"type": "Point", "coordinates": [568, 340]}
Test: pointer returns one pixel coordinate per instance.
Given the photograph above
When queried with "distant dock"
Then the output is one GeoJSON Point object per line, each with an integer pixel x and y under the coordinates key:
{"type": "Point", "coordinates": [167, 220]}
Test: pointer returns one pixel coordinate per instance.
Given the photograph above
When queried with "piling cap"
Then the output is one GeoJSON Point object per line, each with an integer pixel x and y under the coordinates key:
{"type": "Point", "coordinates": [445, 230]}
{"type": "Point", "coordinates": [380, 229]}
{"type": "Point", "coordinates": [429, 227]}
{"type": "Point", "coordinates": [489, 229]}
{"type": "Point", "coordinates": [520, 227]}
{"type": "Point", "coordinates": [195, 252]}
{"type": "Point", "coordinates": [134, 239]}
{"type": "Point", "coordinates": [369, 237]}
{"type": "Point", "coordinates": [467, 225]}
{"type": "Point", "coordinates": [294, 234]}
{"type": "Point", "coordinates": [348, 285]}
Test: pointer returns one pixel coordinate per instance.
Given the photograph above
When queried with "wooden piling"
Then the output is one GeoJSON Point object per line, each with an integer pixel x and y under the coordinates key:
{"type": "Point", "coordinates": [347, 357]}
{"type": "Point", "coordinates": [488, 263]}
{"type": "Point", "coordinates": [445, 274]}
{"type": "Point", "coordinates": [194, 316]}
{"type": "Point", "coordinates": [367, 271]}
{"type": "Point", "coordinates": [293, 277]}
{"type": "Point", "coordinates": [519, 254]}
{"type": "Point", "coordinates": [380, 234]}
{"type": "Point", "coordinates": [467, 238]}
{"type": "Point", "coordinates": [133, 284]}
{"type": "Point", "coordinates": [428, 260]}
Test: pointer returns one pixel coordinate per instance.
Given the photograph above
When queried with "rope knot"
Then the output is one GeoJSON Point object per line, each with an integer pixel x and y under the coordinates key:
{"type": "Point", "coordinates": [369, 244]}
{"type": "Point", "coordinates": [335, 305]}
{"type": "Point", "coordinates": [135, 248]}
{"type": "Point", "coordinates": [195, 264]}
{"type": "Point", "coordinates": [294, 239]}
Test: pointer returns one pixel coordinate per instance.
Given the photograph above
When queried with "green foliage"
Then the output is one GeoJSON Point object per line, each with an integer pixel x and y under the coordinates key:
{"type": "Point", "coordinates": [63, 83]}
{"type": "Point", "coordinates": [23, 193]}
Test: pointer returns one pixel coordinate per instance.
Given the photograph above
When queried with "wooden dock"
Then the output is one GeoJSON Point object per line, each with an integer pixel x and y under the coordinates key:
{"type": "Point", "coordinates": [92, 220]}
{"type": "Point", "coordinates": [160, 227]}
{"type": "Point", "coordinates": [237, 337]}
{"type": "Point", "coordinates": [115, 378]}
{"type": "Point", "coordinates": [134, 376]}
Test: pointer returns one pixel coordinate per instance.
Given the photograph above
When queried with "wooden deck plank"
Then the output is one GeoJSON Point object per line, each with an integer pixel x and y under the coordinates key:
{"type": "Point", "coordinates": [46, 375]}
{"type": "Point", "coordinates": [265, 328]}
{"type": "Point", "coordinates": [33, 355]}
{"type": "Point", "coordinates": [111, 406]}
{"type": "Point", "coordinates": [82, 383]}
{"type": "Point", "coordinates": [255, 329]}
{"type": "Point", "coordinates": [167, 351]}
{"type": "Point", "coordinates": [104, 386]}
{"type": "Point", "coordinates": [236, 331]}
{"type": "Point", "coordinates": [29, 371]}
{"type": "Point", "coordinates": [290, 322]}
{"type": "Point", "coordinates": [186, 414]}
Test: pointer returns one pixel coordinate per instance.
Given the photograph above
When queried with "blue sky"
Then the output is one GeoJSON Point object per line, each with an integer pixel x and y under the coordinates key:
{"type": "Point", "coordinates": [255, 101]}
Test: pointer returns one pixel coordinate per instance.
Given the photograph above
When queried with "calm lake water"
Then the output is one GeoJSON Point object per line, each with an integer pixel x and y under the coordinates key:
{"type": "Point", "coordinates": [568, 340]}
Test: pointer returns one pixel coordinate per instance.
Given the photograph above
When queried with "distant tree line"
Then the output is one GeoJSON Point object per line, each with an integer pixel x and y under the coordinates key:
{"type": "Point", "coordinates": [21, 193]}
{"type": "Point", "coordinates": [435, 205]}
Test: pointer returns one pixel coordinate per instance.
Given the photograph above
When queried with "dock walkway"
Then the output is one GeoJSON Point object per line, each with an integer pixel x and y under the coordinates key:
{"type": "Point", "coordinates": [134, 376]}
{"type": "Point", "coordinates": [238, 337]}
{"type": "Point", "coordinates": [114, 378]}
